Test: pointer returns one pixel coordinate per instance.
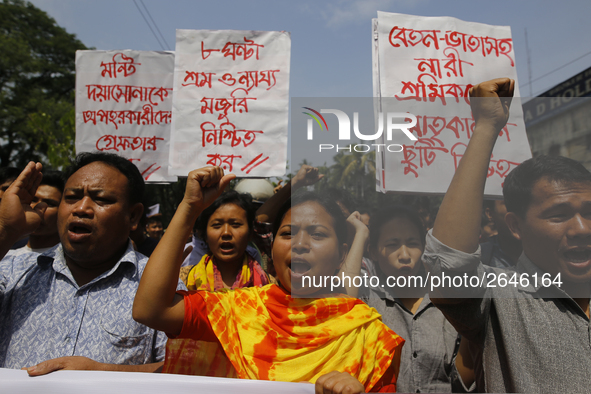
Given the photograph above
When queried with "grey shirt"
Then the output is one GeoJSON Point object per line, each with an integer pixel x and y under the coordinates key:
{"type": "Point", "coordinates": [528, 339]}
{"type": "Point", "coordinates": [493, 255]}
{"type": "Point", "coordinates": [428, 355]}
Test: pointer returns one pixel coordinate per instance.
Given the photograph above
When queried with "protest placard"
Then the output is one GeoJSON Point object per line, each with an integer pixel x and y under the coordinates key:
{"type": "Point", "coordinates": [123, 106]}
{"type": "Point", "coordinates": [425, 66]}
{"type": "Point", "coordinates": [74, 382]}
{"type": "Point", "coordinates": [230, 104]}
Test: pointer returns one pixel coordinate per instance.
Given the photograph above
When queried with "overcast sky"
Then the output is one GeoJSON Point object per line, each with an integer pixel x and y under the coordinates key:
{"type": "Point", "coordinates": [331, 40]}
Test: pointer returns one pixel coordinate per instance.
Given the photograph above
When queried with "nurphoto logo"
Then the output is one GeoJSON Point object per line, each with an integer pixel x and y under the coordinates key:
{"type": "Point", "coordinates": [395, 121]}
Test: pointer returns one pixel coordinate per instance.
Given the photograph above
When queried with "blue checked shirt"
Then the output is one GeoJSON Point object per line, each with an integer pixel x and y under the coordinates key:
{"type": "Point", "coordinates": [44, 314]}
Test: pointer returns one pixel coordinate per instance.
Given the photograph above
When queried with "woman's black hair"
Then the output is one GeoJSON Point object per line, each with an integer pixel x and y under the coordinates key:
{"type": "Point", "coordinates": [331, 207]}
{"type": "Point", "coordinates": [384, 215]}
{"type": "Point", "coordinates": [242, 200]}
{"type": "Point", "coordinates": [341, 196]}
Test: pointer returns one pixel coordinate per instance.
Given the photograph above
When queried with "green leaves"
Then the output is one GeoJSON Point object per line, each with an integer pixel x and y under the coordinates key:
{"type": "Point", "coordinates": [37, 81]}
{"type": "Point", "coordinates": [54, 133]}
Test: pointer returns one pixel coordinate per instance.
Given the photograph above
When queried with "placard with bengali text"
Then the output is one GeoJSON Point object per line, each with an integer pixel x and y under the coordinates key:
{"type": "Point", "coordinates": [124, 106]}
{"type": "Point", "coordinates": [230, 104]}
{"type": "Point", "coordinates": [426, 66]}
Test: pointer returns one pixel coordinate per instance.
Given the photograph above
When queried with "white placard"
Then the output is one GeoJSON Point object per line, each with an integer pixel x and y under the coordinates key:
{"type": "Point", "coordinates": [230, 104]}
{"type": "Point", "coordinates": [426, 66]}
{"type": "Point", "coordinates": [124, 106]}
{"type": "Point", "coordinates": [88, 382]}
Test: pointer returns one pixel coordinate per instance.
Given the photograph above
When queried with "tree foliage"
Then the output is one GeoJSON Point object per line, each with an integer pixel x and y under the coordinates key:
{"type": "Point", "coordinates": [353, 172]}
{"type": "Point", "coordinates": [37, 82]}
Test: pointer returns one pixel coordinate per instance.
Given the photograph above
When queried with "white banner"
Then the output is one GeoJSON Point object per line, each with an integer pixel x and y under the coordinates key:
{"type": "Point", "coordinates": [230, 104]}
{"type": "Point", "coordinates": [124, 106]}
{"type": "Point", "coordinates": [89, 382]}
{"type": "Point", "coordinates": [426, 66]}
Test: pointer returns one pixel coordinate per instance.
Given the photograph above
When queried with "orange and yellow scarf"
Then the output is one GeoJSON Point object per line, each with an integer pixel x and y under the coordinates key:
{"type": "Point", "coordinates": [190, 357]}
{"type": "Point", "coordinates": [266, 334]}
{"type": "Point", "coordinates": [206, 275]}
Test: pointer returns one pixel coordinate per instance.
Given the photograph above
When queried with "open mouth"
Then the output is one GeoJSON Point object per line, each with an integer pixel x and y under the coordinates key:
{"type": "Point", "coordinates": [226, 247]}
{"type": "Point", "coordinates": [405, 269]}
{"type": "Point", "coordinates": [79, 232]}
{"type": "Point", "coordinates": [79, 228]}
{"type": "Point", "coordinates": [299, 267]}
{"type": "Point", "coordinates": [578, 256]}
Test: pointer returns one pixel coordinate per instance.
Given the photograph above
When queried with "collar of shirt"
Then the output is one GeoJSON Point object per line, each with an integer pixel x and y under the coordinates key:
{"type": "Point", "coordinates": [55, 256]}
{"type": "Point", "coordinates": [387, 295]}
{"type": "Point", "coordinates": [526, 266]}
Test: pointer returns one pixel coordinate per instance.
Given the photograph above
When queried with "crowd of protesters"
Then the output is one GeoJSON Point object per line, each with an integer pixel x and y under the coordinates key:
{"type": "Point", "coordinates": [78, 291]}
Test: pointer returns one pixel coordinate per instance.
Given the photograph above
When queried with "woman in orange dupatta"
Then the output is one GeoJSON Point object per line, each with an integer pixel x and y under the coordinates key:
{"type": "Point", "coordinates": [226, 226]}
{"type": "Point", "coordinates": [336, 342]}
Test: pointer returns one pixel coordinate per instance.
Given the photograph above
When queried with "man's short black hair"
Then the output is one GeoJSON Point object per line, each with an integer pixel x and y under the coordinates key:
{"type": "Point", "coordinates": [520, 182]}
{"type": "Point", "coordinates": [135, 181]}
{"type": "Point", "coordinates": [55, 179]}
{"type": "Point", "coordinates": [243, 200]}
{"type": "Point", "coordinates": [154, 219]}
{"type": "Point", "coordinates": [9, 173]}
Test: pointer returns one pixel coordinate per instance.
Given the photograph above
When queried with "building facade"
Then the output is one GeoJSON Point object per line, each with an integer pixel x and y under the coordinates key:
{"type": "Point", "coordinates": [558, 122]}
